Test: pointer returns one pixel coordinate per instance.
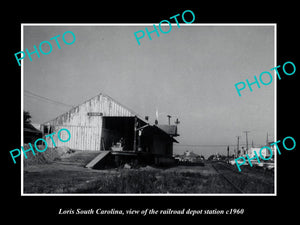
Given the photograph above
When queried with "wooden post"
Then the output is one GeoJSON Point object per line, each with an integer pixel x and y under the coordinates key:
{"type": "Point", "coordinates": [139, 139]}
{"type": "Point", "coordinates": [134, 135]}
{"type": "Point", "coordinates": [169, 119]}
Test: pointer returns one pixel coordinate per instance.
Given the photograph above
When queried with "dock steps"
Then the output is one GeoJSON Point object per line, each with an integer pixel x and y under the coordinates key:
{"type": "Point", "coordinates": [97, 159]}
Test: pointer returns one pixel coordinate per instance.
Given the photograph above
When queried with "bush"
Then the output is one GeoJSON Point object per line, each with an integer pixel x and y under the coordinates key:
{"type": "Point", "coordinates": [48, 156]}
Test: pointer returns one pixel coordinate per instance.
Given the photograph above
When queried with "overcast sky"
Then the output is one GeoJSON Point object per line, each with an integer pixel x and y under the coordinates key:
{"type": "Point", "coordinates": [188, 73]}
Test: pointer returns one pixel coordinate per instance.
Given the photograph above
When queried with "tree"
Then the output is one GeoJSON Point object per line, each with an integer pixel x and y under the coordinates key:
{"type": "Point", "coordinates": [27, 117]}
{"type": "Point", "coordinates": [30, 132]}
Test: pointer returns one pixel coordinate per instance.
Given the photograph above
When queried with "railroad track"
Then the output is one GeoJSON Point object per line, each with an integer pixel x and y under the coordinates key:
{"type": "Point", "coordinates": [236, 188]}
{"type": "Point", "coordinates": [230, 168]}
{"type": "Point", "coordinates": [247, 172]}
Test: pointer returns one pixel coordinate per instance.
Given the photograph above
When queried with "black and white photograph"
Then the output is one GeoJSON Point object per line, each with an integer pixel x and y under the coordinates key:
{"type": "Point", "coordinates": [165, 114]}
{"type": "Point", "coordinates": [144, 112]}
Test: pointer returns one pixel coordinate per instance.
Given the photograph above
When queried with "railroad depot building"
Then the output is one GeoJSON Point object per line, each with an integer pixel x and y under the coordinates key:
{"type": "Point", "coordinates": [102, 124]}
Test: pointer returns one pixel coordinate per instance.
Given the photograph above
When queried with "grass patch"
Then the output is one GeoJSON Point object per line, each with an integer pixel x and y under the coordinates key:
{"type": "Point", "coordinates": [58, 178]}
{"type": "Point", "coordinates": [155, 182]}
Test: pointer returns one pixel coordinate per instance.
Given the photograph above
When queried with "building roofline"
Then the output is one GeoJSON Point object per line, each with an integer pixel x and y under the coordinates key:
{"type": "Point", "coordinates": [105, 95]}
{"type": "Point", "coordinates": [130, 110]}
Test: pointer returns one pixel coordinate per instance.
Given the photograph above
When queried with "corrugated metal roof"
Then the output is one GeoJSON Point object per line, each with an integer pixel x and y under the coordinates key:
{"type": "Point", "coordinates": [162, 131]}
{"type": "Point", "coordinates": [169, 129]}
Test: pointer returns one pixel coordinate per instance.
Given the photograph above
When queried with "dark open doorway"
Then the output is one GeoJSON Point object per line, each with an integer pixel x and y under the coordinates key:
{"type": "Point", "coordinates": [117, 132]}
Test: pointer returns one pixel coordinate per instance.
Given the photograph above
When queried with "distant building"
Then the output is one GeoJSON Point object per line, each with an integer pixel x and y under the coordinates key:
{"type": "Point", "coordinates": [31, 133]}
{"type": "Point", "coordinates": [189, 156]}
{"type": "Point", "coordinates": [264, 152]}
{"type": "Point", "coordinates": [252, 150]}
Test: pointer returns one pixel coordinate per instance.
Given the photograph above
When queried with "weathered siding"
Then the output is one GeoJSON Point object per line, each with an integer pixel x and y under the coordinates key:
{"type": "Point", "coordinates": [86, 130]}
{"type": "Point", "coordinates": [82, 137]}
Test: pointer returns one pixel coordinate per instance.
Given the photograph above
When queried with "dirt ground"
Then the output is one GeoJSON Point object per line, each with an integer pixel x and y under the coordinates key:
{"type": "Point", "coordinates": [68, 177]}
{"type": "Point", "coordinates": [67, 174]}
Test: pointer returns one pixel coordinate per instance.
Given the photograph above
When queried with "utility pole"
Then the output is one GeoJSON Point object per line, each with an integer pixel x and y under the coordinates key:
{"type": "Point", "coordinates": [228, 154]}
{"type": "Point", "coordinates": [246, 140]}
{"type": "Point", "coordinates": [238, 143]}
{"type": "Point", "coordinates": [177, 122]}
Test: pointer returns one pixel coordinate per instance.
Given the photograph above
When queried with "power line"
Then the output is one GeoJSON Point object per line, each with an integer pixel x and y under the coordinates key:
{"type": "Point", "coordinates": [246, 132]}
{"type": "Point", "coordinates": [45, 98]}
{"type": "Point", "coordinates": [48, 101]}
{"type": "Point", "coordinates": [210, 145]}
{"type": "Point", "coordinates": [188, 145]}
